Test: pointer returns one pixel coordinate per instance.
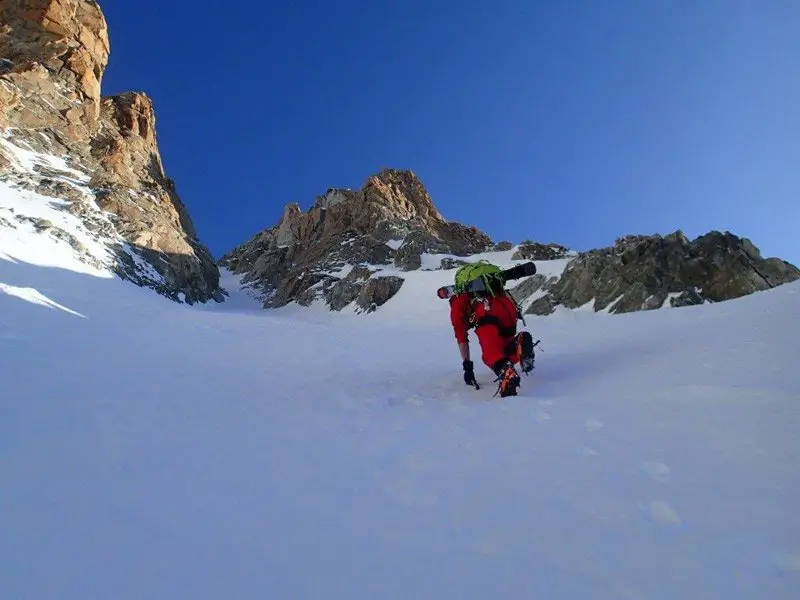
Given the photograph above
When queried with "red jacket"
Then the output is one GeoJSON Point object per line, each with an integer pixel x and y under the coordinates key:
{"type": "Point", "coordinates": [467, 311]}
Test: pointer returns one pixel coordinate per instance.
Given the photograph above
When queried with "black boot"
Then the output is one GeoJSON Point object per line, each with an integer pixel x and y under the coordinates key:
{"type": "Point", "coordinates": [524, 351]}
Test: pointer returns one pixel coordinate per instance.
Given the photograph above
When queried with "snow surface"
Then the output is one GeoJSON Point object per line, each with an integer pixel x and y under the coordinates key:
{"type": "Point", "coordinates": [27, 160]}
{"type": "Point", "coordinates": [19, 241]}
{"type": "Point", "coordinates": [20, 209]}
{"type": "Point", "coordinates": [395, 244]}
{"type": "Point", "coordinates": [156, 450]}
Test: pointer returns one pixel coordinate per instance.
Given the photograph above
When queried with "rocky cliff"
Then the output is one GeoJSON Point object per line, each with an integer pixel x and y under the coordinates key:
{"type": "Point", "coordinates": [52, 57]}
{"type": "Point", "coordinates": [641, 272]}
{"type": "Point", "coordinates": [354, 248]}
{"type": "Point", "coordinates": [351, 246]}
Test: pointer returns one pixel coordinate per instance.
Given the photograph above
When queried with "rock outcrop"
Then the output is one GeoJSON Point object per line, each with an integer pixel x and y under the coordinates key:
{"type": "Point", "coordinates": [645, 272]}
{"type": "Point", "coordinates": [340, 249]}
{"type": "Point", "coordinates": [534, 251]}
{"type": "Point", "coordinates": [52, 57]}
{"type": "Point", "coordinates": [55, 52]}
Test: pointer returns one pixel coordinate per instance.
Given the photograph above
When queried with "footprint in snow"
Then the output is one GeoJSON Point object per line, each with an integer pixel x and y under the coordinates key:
{"type": "Point", "coordinates": [788, 561]}
{"type": "Point", "coordinates": [590, 426]}
{"type": "Point", "coordinates": [663, 512]}
{"type": "Point", "coordinates": [656, 469]}
{"type": "Point", "coordinates": [538, 410]}
{"type": "Point", "coordinates": [593, 425]}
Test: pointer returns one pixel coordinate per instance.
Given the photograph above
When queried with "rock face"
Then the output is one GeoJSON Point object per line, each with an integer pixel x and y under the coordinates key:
{"type": "Point", "coordinates": [535, 251]}
{"type": "Point", "coordinates": [645, 272]}
{"type": "Point", "coordinates": [54, 53]}
{"type": "Point", "coordinates": [386, 225]}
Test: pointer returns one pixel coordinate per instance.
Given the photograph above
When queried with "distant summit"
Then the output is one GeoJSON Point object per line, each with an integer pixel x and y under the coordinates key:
{"type": "Point", "coordinates": [351, 246]}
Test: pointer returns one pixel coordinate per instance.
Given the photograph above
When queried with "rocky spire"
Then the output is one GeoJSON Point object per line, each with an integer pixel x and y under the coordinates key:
{"type": "Point", "coordinates": [340, 246]}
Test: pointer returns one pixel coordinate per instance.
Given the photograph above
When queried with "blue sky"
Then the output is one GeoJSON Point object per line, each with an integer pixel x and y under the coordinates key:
{"type": "Point", "coordinates": [573, 122]}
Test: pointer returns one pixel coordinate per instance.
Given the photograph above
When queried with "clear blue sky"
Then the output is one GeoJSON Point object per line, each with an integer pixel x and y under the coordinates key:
{"type": "Point", "coordinates": [572, 121]}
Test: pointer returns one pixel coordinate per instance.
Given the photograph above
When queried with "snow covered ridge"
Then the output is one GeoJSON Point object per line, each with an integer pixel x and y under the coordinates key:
{"type": "Point", "coordinates": [358, 252]}
{"type": "Point", "coordinates": [49, 218]}
{"type": "Point", "coordinates": [637, 273]}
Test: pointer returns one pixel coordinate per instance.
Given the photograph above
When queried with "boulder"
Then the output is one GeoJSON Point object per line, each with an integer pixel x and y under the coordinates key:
{"type": "Point", "coordinates": [348, 289]}
{"type": "Point", "coordinates": [377, 291]}
{"type": "Point", "coordinates": [535, 251]}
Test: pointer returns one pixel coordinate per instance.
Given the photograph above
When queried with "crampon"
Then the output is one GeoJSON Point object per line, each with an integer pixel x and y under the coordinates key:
{"type": "Point", "coordinates": [507, 381]}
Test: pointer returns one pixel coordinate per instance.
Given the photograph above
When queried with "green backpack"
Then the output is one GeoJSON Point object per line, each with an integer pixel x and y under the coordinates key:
{"type": "Point", "coordinates": [490, 275]}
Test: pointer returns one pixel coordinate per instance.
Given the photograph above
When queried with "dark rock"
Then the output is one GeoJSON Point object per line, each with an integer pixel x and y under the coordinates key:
{"type": "Point", "coordinates": [530, 286]}
{"type": "Point", "coordinates": [690, 297]}
{"type": "Point", "coordinates": [41, 225]}
{"type": "Point", "coordinates": [409, 255]}
{"type": "Point", "coordinates": [535, 251]}
{"type": "Point", "coordinates": [365, 249]}
{"type": "Point", "coordinates": [641, 272]}
{"type": "Point", "coordinates": [59, 189]}
{"type": "Point", "coordinates": [451, 263]}
{"type": "Point", "coordinates": [318, 285]}
{"type": "Point", "coordinates": [377, 291]}
{"type": "Point", "coordinates": [542, 306]}
{"type": "Point", "coordinates": [346, 290]}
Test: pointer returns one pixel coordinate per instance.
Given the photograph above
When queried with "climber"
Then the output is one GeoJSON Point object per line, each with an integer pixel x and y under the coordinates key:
{"type": "Point", "coordinates": [492, 311]}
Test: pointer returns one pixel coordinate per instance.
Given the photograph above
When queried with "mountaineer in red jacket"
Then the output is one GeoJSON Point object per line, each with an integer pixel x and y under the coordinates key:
{"type": "Point", "coordinates": [481, 301]}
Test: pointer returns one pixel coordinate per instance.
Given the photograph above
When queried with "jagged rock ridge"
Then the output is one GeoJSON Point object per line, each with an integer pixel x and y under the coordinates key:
{"type": "Point", "coordinates": [643, 272]}
{"type": "Point", "coordinates": [352, 248]}
{"type": "Point", "coordinates": [52, 57]}
{"type": "Point", "coordinates": [351, 245]}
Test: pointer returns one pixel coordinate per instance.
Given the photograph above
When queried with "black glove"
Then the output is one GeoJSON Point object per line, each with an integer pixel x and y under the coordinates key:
{"type": "Point", "coordinates": [469, 374]}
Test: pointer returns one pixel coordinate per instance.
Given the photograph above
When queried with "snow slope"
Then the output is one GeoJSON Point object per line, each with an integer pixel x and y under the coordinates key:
{"type": "Point", "coordinates": [49, 231]}
{"type": "Point", "coordinates": [155, 450]}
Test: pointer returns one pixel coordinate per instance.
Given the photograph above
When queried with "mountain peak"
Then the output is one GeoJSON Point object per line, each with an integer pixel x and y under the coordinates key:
{"type": "Point", "coordinates": [389, 224]}
{"type": "Point", "coordinates": [402, 193]}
